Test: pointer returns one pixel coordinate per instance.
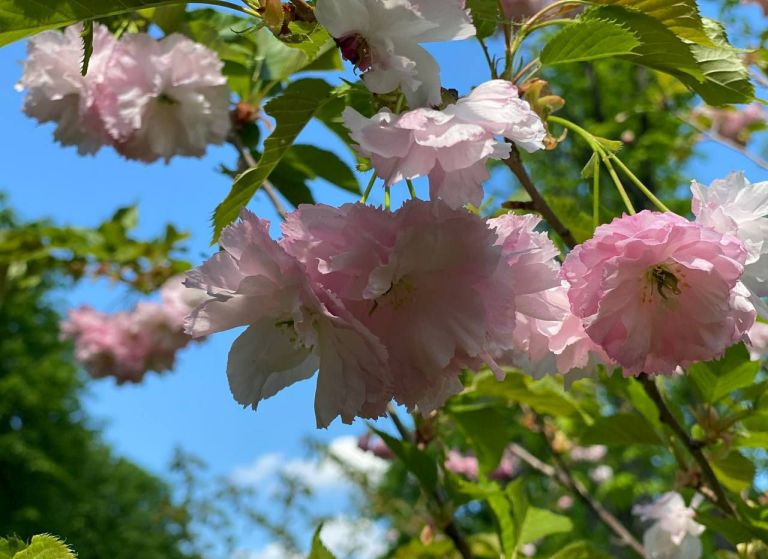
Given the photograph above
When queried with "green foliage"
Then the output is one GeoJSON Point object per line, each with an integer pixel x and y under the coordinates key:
{"type": "Point", "coordinates": [621, 429]}
{"type": "Point", "coordinates": [418, 462]}
{"type": "Point", "coordinates": [318, 549]}
{"type": "Point", "coordinates": [292, 111]}
{"type": "Point", "coordinates": [21, 18]}
{"type": "Point", "coordinates": [679, 16]}
{"type": "Point", "coordinates": [716, 379]}
{"type": "Point", "coordinates": [87, 35]}
{"type": "Point", "coordinates": [485, 16]}
{"type": "Point", "coordinates": [45, 546]}
{"type": "Point", "coordinates": [589, 39]}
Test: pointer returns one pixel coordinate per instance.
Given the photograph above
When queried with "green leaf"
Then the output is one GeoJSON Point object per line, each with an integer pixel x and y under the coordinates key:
{"type": "Point", "coordinates": [733, 530]}
{"type": "Point", "coordinates": [659, 47]}
{"type": "Point", "coordinates": [418, 462]}
{"type": "Point", "coordinates": [590, 39]}
{"type": "Point", "coordinates": [485, 16]}
{"type": "Point", "coordinates": [87, 35]}
{"type": "Point", "coordinates": [621, 429]}
{"type": "Point", "coordinates": [316, 162]}
{"type": "Point", "coordinates": [679, 16]}
{"type": "Point", "coordinates": [46, 546]}
{"type": "Point", "coordinates": [715, 379]}
{"type": "Point", "coordinates": [735, 471]}
{"type": "Point", "coordinates": [310, 38]}
{"type": "Point", "coordinates": [484, 428]}
{"type": "Point", "coordinates": [21, 18]}
{"type": "Point", "coordinates": [539, 523]}
{"type": "Point", "coordinates": [292, 111]}
{"type": "Point", "coordinates": [502, 510]}
{"type": "Point", "coordinates": [726, 78]}
{"type": "Point", "coordinates": [318, 549]}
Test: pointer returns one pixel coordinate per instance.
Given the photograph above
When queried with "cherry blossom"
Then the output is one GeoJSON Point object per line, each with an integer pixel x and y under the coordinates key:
{"type": "Point", "coordinates": [295, 327]}
{"type": "Point", "coordinates": [657, 291]}
{"type": "Point", "coordinates": [58, 92]}
{"type": "Point", "coordinates": [164, 98]}
{"type": "Point", "coordinates": [737, 207]}
{"type": "Point", "coordinates": [731, 123]}
{"type": "Point", "coordinates": [381, 38]}
{"type": "Point", "coordinates": [674, 534]}
{"type": "Point", "coordinates": [451, 146]}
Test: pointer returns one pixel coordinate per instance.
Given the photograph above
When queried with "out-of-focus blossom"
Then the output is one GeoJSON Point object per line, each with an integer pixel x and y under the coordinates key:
{"type": "Point", "coordinates": [738, 207]}
{"type": "Point", "coordinates": [381, 38]}
{"type": "Point", "coordinates": [731, 123]}
{"type": "Point", "coordinates": [451, 146]}
{"type": "Point", "coordinates": [593, 453]}
{"type": "Point", "coordinates": [758, 341]}
{"type": "Point", "coordinates": [657, 291]}
{"type": "Point", "coordinates": [127, 345]}
{"type": "Point", "coordinates": [375, 446]}
{"type": "Point", "coordinates": [460, 464]}
{"type": "Point", "coordinates": [565, 502]}
{"type": "Point", "coordinates": [601, 474]}
{"type": "Point", "coordinates": [164, 98]}
{"type": "Point", "coordinates": [295, 327]}
{"type": "Point", "coordinates": [508, 467]}
{"type": "Point", "coordinates": [674, 534]}
{"type": "Point", "coordinates": [58, 92]}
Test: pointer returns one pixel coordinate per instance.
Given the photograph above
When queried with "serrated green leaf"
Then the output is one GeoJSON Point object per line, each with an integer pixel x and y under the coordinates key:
{"type": "Point", "coordinates": [21, 18]}
{"type": "Point", "coordinates": [485, 16]}
{"type": "Point", "coordinates": [45, 546]}
{"type": "Point", "coordinates": [539, 523]}
{"type": "Point", "coordinates": [715, 379]}
{"type": "Point", "coordinates": [87, 36]}
{"type": "Point", "coordinates": [317, 162]}
{"type": "Point", "coordinates": [318, 549]}
{"type": "Point", "coordinates": [679, 16]}
{"type": "Point", "coordinates": [418, 462]}
{"type": "Point", "coordinates": [310, 38]}
{"type": "Point", "coordinates": [659, 47]}
{"type": "Point", "coordinates": [726, 78]}
{"type": "Point", "coordinates": [291, 111]}
{"type": "Point", "coordinates": [590, 39]}
{"type": "Point", "coordinates": [620, 430]}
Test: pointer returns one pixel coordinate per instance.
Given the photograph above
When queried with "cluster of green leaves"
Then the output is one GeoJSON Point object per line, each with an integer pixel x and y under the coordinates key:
{"type": "Point", "coordinates": [30, 251]}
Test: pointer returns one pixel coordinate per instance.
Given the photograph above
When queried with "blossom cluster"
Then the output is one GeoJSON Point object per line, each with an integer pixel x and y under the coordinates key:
{"type": "Point", "coordinates": [149, 99]}
{"type": "Point", "coordinates": [730, 123]}
{"type": "Point", "coordinates": [126, 345]}
{"type": "Point", "coordinates": [388, 305]}
{"type": "Point", "coordinates": [674, 533]}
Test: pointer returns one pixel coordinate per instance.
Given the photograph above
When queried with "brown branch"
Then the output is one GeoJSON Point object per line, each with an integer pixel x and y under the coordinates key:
{"type": "Point", "coordinates": [450, 529]}
{"type": "Point", "coordinates": [249, 162]}
{"type": "Point", "coordinates": [694, 446]}
{"type": "Point", "coordinates": [516, 166]}
{"type": "Point", "coordinates": [562, 475]}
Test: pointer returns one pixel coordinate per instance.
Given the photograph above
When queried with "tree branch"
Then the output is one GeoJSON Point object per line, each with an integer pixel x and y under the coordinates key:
{"type": "Point", "coordinates": [693, 446]}
{"type": "Point", "coordinates": [516, 166]}
{"type": "Point", "coordinates": [563, 475]}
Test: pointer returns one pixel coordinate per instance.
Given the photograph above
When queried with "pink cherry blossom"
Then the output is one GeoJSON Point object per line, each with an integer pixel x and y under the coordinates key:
{"type": "Point", "coordinates": [657, 291]}
{"type": "Point", "coordinates": [126, 345]}
{"type": "Point", "coordinates": [737, 207]}
{"type": "Point", "coordinates": [381, 38]}
{"type": "Point", "coordinates": [56, 90]}
{"type": "Point", "coordinates": [732, 123]}
{"type": "Point", "coordinates": [295, 327]}
{"type": "Point", "coordinates": [674, 534]}
{"type": "Point", "coordinates": [164, 98]}
{"type": "Point", "coordinates": [758, 341]}
{"type": "Point", "coordinates": [426, 280]}
{"type": "Point", "coordinates": [458, 463]}
{"type": "Point", "coordinates": [451, 146]}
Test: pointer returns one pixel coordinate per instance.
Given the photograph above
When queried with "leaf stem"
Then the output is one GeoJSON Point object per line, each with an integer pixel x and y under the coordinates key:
{"type": "Point", "coordinates": [364, 197]}
{"type": "Point", "coordinates": [250, 162]}
{"type": "Point", "coordinates": [639, 184]}
{"type": "Point", "coordinates": [617, 182]}
{"type": "Point", "coordinates": [595, 192]}
{"type": "Point", "coordinates": [411, 189]}
{"type": "Point", "coordinates": [387, 198]}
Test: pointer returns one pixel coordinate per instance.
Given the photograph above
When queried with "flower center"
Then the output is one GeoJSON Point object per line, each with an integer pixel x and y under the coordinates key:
{"type": "Point", "coordinates": [662, 280]}
{"type": "Point", "coordinates": [399, 293]}
{"type": "Point", "coordinates": [166, 99]}
{"type": "Point", "coordinates": [355, 49]}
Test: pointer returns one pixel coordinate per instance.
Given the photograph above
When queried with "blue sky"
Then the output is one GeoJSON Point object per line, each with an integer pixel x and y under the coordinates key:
{"type": "Point", "coordinates": [192, 407]}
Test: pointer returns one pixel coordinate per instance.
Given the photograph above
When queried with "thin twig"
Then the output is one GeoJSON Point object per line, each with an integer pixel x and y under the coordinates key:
{"type": "Point", "coordinates": [266, 186]}
{"type": "Point", "coordinates": [694, 447]}
{"type": "Point", "coordinates": [450, 529]}
{"type": "Point", "coordinates": [563, 475]}
{"type": "Point", "coordinates": [754, 158]}
{"type": "Point", "coordinates": [516, 165]}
